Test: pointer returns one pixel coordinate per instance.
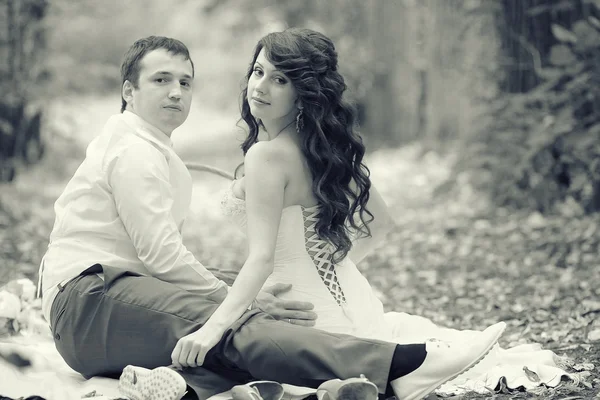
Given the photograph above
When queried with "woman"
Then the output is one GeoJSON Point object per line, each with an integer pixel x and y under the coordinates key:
{"type": "Point", "coordinates": [308, 204]}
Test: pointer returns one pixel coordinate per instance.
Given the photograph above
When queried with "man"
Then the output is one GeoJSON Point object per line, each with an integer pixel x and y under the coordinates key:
{"type": "Point", "coordinates": [120, 288]}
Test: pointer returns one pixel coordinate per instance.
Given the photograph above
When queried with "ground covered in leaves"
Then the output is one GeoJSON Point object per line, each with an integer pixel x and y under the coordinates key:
{"type": "Point", "coordinates": [453, 257]}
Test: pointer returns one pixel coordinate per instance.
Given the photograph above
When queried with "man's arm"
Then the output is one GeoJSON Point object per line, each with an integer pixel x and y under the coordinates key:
{"type": "Point", "coordinates": [143, 196]}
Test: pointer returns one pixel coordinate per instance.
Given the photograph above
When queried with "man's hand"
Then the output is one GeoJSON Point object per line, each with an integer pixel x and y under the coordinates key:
{"type": "Point", "coordinates": [294, 312]}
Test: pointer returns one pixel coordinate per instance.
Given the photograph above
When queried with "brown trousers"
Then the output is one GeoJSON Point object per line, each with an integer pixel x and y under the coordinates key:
{"type": "Point", "coordinates": [100, 326]}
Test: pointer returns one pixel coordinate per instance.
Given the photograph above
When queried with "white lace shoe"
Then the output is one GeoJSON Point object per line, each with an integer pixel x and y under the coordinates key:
{"type": "Point", "coordinates": [444, 362]}
{"type": "Point", "coordinates": [162, 383]}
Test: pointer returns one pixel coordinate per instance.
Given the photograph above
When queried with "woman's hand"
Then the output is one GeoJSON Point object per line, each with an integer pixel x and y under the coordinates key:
{"type": "Point", "coordinates": [294, 312]}
{"type": "Point", "coordinates": [191, 350]}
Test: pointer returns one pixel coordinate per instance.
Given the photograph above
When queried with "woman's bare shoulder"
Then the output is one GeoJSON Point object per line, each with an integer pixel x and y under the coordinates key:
{"type": "Point", "coordinates": [280, 148]}
{"type": "Point", "coordinates": [265, 152]}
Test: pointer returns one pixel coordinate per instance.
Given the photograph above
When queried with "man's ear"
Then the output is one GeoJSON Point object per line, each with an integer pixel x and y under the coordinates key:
{"type": "Point", "coordinates": [127, 92]}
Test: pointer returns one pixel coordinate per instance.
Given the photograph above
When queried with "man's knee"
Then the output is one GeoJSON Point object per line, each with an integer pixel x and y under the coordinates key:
{"type": "Point", "coordinates": [275, 339]}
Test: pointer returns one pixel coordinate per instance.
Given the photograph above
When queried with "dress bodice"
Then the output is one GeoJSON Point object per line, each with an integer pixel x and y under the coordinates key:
{"type": "Point", "coordinates": [304, 260]}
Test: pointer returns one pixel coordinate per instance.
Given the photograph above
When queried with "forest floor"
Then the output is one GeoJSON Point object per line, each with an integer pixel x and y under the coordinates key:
{"type": "Point", "coordinates": [453, 257]}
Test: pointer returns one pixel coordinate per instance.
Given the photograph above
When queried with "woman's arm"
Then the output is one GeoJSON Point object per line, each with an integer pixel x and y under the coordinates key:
{"type": "Point", "coordinates": [265, 183]}
{"type": "Point", "coordinates": [380, 226]}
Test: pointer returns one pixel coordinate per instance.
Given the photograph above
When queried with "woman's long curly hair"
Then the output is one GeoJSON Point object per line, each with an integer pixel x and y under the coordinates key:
{"type": "Point", "coordinates": [332, 147]}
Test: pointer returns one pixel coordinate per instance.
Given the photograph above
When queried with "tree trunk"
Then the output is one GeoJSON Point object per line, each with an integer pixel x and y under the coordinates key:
{"type": "Point", "coordinates": [385, 119]}
{"type": "Point", "coordinates": [13, 44]}
{"type": "Point", "coordinates": [526, 33]}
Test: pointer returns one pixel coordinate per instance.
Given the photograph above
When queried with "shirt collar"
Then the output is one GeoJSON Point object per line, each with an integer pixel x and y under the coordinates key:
{"type": "Point", "coordinates": [146, 130]}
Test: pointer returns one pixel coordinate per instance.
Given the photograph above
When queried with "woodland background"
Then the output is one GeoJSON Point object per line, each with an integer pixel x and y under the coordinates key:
{"type": "Point", "coordinates": [481, 117]}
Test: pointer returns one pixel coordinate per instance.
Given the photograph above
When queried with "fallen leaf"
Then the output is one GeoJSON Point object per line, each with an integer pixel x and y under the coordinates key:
{"type": "Point", "coordinates": [594, 335]}
{"type": "Point", "coordinates": [533, 377]}
{"type": "Point", "coordinates": [583, 367]}
{"type": "Point", "coordinates": [586, 347]}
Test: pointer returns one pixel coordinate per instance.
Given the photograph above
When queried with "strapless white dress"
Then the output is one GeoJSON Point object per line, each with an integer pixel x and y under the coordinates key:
{"type": "Point", "coordinates": [346, 303]}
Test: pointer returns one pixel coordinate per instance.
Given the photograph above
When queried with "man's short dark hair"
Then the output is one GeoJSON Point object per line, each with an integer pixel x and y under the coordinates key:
{"type": "Point", "coordinates": [130, 68]}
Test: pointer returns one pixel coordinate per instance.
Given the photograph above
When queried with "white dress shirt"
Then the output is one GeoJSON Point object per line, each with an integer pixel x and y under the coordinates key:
{"type": "Point", "coordinates": [125, 207]}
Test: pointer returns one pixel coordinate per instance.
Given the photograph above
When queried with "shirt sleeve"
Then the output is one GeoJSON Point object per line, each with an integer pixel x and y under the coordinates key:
{"type": "Point", "coordinates": [143, 197]}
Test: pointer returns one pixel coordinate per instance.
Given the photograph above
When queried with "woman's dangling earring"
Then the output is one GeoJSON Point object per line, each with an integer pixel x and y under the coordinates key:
{"type": "Point", "coordinates": [299, 121]}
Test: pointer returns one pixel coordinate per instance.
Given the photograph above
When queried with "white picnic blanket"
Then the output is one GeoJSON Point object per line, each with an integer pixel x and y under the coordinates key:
{"type": "Point", "coordinates": [48, 376]}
